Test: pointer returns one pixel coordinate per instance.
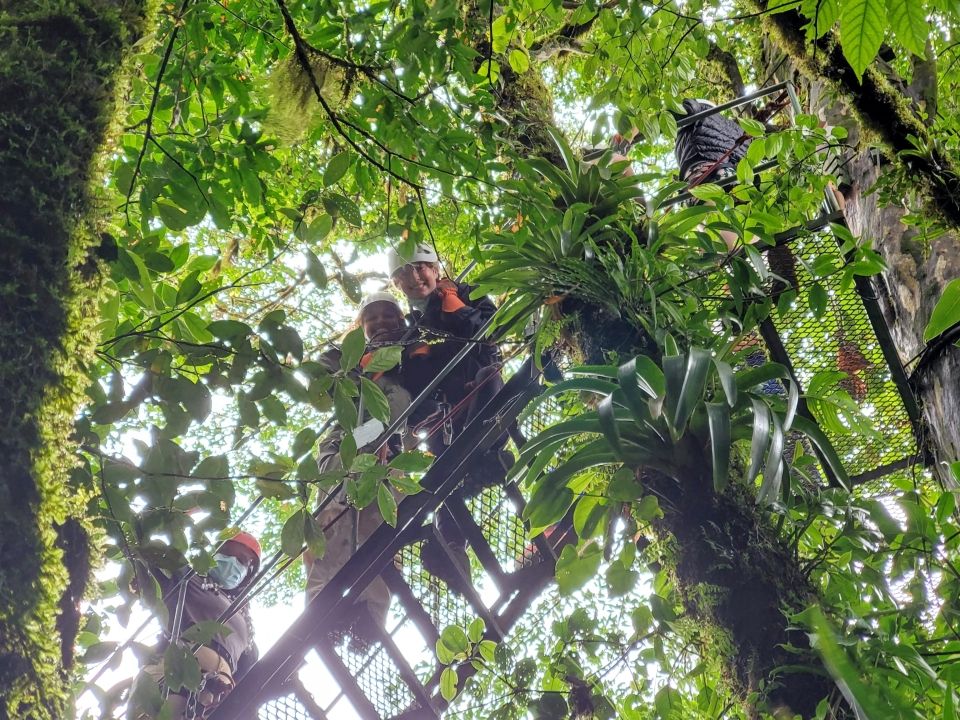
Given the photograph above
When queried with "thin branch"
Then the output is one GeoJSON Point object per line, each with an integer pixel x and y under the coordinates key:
{"type": "Point", "coordinates": [148, 121]}
{"type": "Point", "coordinates": [301, 49]}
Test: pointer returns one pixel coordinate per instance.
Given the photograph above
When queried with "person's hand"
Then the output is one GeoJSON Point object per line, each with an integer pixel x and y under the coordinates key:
{"type": "Point", "coordinates": [446, 287]}
{"type": "Point", "coordinates": [451, 302]}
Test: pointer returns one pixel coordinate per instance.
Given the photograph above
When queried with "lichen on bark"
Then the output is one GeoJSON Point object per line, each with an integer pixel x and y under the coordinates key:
{"type": "Point", "coordinates": [60, 63]}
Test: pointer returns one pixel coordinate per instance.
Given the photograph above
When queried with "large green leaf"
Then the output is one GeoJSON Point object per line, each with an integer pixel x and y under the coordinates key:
{"type": "Point", "coordinates": [813, 431]}
{"type": "Point", "coordinates": [718, 417]}
{"type": "Point", "coordinates": [352, 349]}
{"type": "Point", "coordinates": [576, 567]}
{"type": "Point", "coordinates": [862, 25]}
{"type": "Point", "coordinates": [946, 313]}
{"type": "Point", "coordinates": [694, 383]}
{"type": "Point", "coordinates": [761, 436]}
{"type": "Point", "coordinates": [908, 19]}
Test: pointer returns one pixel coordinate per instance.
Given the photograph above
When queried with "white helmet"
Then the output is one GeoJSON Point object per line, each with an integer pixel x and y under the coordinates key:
{"type": "Point", "coordinates": [376, 297]}
{"type": "Point", "coordinates": [421, 253]}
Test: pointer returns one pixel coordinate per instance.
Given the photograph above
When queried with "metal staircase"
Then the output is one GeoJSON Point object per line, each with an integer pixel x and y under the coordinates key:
{"type": "Point", "coordinates": [372, 676]}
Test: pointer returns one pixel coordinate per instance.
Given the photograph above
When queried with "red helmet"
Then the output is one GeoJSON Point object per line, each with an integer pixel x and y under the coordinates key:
{"type": "Point", "coordinates": [249, 542]}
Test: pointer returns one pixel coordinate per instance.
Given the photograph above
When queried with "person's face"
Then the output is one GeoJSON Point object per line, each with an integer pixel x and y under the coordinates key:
{"type": "Point", "coordinates": [417, 280]}
{"type": "Point", "coordinates": [242, 553]}
{"type": "Point", "coordinates": [381, 321]}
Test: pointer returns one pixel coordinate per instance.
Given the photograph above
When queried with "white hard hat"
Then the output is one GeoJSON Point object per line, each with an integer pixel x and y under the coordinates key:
{"type": "Point", "coordinates": [376, 297]}
{"type": "Point", "coordinates": [421, 253]}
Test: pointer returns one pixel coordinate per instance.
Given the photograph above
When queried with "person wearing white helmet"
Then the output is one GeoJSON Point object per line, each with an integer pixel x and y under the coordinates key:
{"type": "Point", "coordinates": [447, 318]}
{"type": "Point", "coordinates": [382, 321]}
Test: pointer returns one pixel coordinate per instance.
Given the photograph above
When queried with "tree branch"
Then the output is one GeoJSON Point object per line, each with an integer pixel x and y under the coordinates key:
{"type": "Point", "coordinates": [881, 109]}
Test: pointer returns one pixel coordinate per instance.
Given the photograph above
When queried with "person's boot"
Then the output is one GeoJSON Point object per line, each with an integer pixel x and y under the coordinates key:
{"type": "Point", "coordinates": [490, 469]}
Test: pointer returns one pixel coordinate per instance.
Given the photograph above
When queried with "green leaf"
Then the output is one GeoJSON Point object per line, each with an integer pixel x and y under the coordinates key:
{"type": "Point", "coordinates": [727, 381]}
{"type": "Point", "coordinates": [519, 61]}
{"type": "Point", "coordinates": [189, 288]}
{"type": "Point", "coordinates": [475, 630]}
{"type": "Point", "coordinates": [608, 424]}
{"type": "Point", "coordinates": [862, 24]}
{"type": "Point", "coordinates": [817, 299]}
{"type": "Point", "coordinates": [909, 23]}
{"type": "Point", "coordinates": [621, 579]}
{"type": "Point", "coordinates": [336, 168]}
{"type": "Point", "coordinates": [761, 437]}
{"type": "Point", "coordinates": [455, 639]}
{"type": "Point", "coordinates": [292, 535]}
{"type": "Point", "coordinates": [374, 400]}
{"type": "Point", "coordinates": [575, 569]}
{"type": "Point", "coordinates": [385, 358]}
{"type": "Point", "coordinates": [344, 408]}
{"type": "Point", "coordinates": [773, 470]}
{"type": "Point", "coordinates": [352, 349]}
{"type": "Point", "coordinates": [314, 536]}
{"type": "Point", "coordinates": [342, 206]}
{"type": "Point", "coordinates": [718, 417]}
{"type": "Point", "coordinates": [180, 668]}
{"type": "Point", "coordinates": [204, 631]}
{"type": "Point", "coordinates": [411, 461]}
{"type": "Point", "coordinates": [387, 504]}
{"type": "Point", "coordinates": [448, 684]}
{"type": "Point", "coordinates": [946, 313]}
{"type": "Point", "coordinates": [548, 504]}
{"type": "Point", "coordinates": [229, 329]}
{"type": "Point", "coordinates": [812, 431]}
{"type": "Point", "coordinates": [694, 382]}
{"type": "Point", "coordinates": [624, 486]}
{"type": "Point", "coordinates": [753, 128]}
{"type": "Point", "coordinates": [315, 270]}
{"type": "Point", "coordinates": [173, 217]}
{"type": "Point", "coordinates": [348, 450]}
{"type": "Point", "coordinates": [823, 14]}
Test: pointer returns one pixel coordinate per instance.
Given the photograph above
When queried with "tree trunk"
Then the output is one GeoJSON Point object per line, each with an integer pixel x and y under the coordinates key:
{"type": "Point", "coordinates": [740, 582]}
{"type": "Point", "coordinates": [59, 69]}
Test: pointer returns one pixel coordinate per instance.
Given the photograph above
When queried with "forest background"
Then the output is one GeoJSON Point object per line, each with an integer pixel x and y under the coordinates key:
{"type": "Point", "coordinates": [193, 193]}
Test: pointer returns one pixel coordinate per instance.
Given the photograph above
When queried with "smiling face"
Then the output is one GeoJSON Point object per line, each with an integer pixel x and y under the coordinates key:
{"type": "Point", "coordinates": [417, 280]}
{"type": "Point", "coordinates": [381, 321]}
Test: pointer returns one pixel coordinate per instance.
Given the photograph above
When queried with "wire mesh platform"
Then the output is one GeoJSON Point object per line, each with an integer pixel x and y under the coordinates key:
{"type": "Point", "coordinates": [842, 339]}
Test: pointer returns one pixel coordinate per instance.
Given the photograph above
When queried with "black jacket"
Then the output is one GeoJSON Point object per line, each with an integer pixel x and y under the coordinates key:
{"type": "Point", "coordinates": [436, 328]}
{"type": "Point", "coordinates": [708, 140]}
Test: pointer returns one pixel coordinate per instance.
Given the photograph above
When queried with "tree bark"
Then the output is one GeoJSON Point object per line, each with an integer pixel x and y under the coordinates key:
{"type": "Point", "coordinates": [60, 65]}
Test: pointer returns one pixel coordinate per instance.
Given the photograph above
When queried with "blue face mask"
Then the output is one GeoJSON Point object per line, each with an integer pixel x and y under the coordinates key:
{"type": "Point", "coordinates": [229, 571]}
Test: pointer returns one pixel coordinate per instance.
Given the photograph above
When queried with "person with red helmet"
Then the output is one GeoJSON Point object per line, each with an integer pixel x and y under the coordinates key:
{"type": "Point", "coordinates": [224, 655]}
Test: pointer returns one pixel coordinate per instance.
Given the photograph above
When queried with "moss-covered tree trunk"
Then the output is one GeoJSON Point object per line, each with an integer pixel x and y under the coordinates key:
{"type": "Point", "coordinates": [739, 582]}
{"type": "Point", "coordinates": [60, 62]}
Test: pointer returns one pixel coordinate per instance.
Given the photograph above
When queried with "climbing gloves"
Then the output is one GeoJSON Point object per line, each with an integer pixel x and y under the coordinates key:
{"type": "Point", "coordinates": [450, 301]}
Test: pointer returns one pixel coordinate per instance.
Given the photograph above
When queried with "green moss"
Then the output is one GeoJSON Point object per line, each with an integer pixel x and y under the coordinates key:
{"type": "Point", "coordinates": [59, 67]}
{"type": "Point", "coordinates": [294, 109]}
